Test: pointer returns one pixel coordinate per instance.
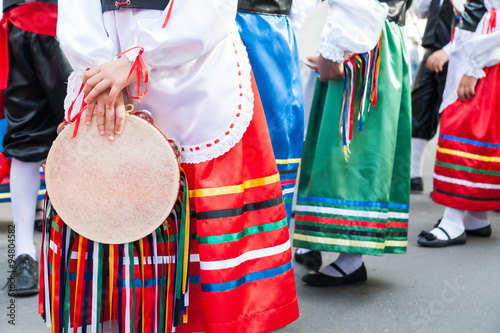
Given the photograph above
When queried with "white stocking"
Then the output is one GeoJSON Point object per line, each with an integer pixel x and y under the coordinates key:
{"type": "Point", "coordinates": [452, 222]}
{"type": "Point", "coordinates": [417, 157]}
{"type": "Point", "coordinates": [24, 186]}
{"type": "Point", "coordinates": [347, 262]}
{"type": "Point", "coordinates": [476, 220]}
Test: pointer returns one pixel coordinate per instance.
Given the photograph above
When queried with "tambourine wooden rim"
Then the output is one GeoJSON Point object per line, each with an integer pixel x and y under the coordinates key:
{"type": "Point", "coordinates": [117, 191]}
{"type": "Point", "coordinates": [309, 35]}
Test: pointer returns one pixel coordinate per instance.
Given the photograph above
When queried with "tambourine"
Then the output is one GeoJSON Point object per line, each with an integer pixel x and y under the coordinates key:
{"type": "Point", "coordinates": [459, 5]}
{"type": "Point", "coordinates": [309, 35]}
{"type": "Point", "coordinates": [117, 191]}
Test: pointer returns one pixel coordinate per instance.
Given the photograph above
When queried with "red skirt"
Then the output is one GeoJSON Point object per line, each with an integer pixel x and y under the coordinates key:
{"type": "Point", "coordinates": [467, 169]}
{"type": "Point", "coordinates": [240, 274]}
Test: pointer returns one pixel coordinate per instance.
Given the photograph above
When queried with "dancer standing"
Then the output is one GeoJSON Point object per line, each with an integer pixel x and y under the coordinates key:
{"type": "Point", "coordinates": [353, 195]}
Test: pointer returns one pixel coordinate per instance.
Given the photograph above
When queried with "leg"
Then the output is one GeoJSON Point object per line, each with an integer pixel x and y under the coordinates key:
{"type": "Point", "coordinates": [24, 186]}
{"type": "Point", "coordinates": [426, 97]}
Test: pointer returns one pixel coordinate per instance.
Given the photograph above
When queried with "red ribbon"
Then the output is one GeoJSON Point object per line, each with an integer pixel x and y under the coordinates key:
{"type": "Point", "coordinates": [141, 72]}
{"type": "Point", "coordinates": [168, 14]}
{"type": "Point", "coordinates": [37, 17]}
{"type": "Point", "coordinates": [78, 116]}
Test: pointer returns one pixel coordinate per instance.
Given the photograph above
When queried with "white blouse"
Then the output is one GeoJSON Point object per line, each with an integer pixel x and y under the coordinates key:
{"type": "Point", "coordinates": [471, 52]}
{"type": "Point", "coordinates": [352, 25]}
{"type": "Point", "coordinates": [199, 88]}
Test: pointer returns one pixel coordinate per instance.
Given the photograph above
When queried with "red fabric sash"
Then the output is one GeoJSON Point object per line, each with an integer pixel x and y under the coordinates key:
{"type": "Point", "coordinates": [37, 17]}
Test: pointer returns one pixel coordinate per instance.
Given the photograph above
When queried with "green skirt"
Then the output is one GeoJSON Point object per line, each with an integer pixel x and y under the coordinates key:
{"type": "Point", "coordinates": [360, 205]}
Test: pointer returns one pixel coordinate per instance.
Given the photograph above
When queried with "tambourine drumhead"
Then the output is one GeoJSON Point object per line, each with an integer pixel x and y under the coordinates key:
{"type": "Point", "coordinates": [309, 35]}
{"type": "Point", "coordinates": [113, 191]}
{"type": "Point", "coordinates": [459, 5]}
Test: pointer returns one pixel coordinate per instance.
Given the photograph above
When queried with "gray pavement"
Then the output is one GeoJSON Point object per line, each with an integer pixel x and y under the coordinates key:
{"type": "Point", "coordinates": [453, 289]}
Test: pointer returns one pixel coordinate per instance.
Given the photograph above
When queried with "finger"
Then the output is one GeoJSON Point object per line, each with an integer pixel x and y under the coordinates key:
{"type": "Point", "coordinates": [470, 92]}
{"type": "Point", "coordinates": [428, 63]}
{"type": "Point", "coordinates": [120, 115]}
{"type": "Point", "coordinates": [90, 73]}
{"type": "Point", "coordinates": [113, 94]}
{"type": "Point", "coordinates": [100, 113]}
{"type": "Point", "coordinates": [89, 113]}
{"type": "Point", "coordinates": [97, 90]}
{"type": "Point", "coordinates": [460, 93]}
{"type": "Point", "coordinates": [90, 83]}
{"type": "Point", "coordinates": [110, 122]}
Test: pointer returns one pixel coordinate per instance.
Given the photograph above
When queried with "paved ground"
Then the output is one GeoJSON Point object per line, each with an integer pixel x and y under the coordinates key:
{"type": "Point", "coordinates": [453, 289]}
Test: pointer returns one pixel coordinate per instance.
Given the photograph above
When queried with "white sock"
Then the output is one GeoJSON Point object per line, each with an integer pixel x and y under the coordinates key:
{"type": "Point", "coordinates": [302, 251]}
{"type": "Point", "coordinates": [452, 222]}
{"type": "Point", "coordinates": [476, 220]}
{"type": "Point", "coordinates": [417, 157]}
{"type": "Point", "coordinates": [24, 186]}
{"type": "Point", "coordinates": [347, 262]}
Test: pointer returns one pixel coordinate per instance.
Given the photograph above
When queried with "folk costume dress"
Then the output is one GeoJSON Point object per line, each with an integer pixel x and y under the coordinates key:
{"type": "Point", "coordinates": [353, 196]}
{"type": "Point", "coordinates": [267, 33]}
{"type": "Point", "coordinates": [200, 91]}
{"type": "Point", "coordinates": [467, 169]}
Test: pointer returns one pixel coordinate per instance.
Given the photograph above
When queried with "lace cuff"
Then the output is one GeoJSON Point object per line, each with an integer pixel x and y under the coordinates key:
{"type": "Point", "coordinates": [474, 70]}
{"type": "Point", "coordinates": [331, 52]}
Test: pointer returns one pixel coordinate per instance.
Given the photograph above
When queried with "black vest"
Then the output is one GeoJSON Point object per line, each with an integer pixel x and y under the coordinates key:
{"type": "Point", "coordinates": [269, 7]}
{"type": "Point", "coordinates": [474, 11]}
{"type": "Point", "coordinates": [10, 3]}
{"type": "Point", "coordinates": [438, 29]}
{"type": "Point", "coordinates": [108, 5]}
{"type": "Point", "coordinates": [397, 10]}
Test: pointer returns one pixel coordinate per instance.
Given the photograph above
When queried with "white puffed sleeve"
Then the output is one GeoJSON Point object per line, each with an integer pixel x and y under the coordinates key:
{"type": "Point", "coordinates": [352, 25]}
{"type": "Point", "coordinates": [482, 50]}
{"type": "Point", "coordinates": [81, 33]}
{"type": "Point", "coordinates": [194, 27]}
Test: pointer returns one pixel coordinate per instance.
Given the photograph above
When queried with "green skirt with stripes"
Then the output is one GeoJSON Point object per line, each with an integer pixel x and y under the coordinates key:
{"type": "Point", "coordinates": [360, 205]}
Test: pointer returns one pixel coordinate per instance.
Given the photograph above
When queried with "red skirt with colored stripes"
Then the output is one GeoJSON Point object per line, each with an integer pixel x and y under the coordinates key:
{"type": "Point", "coordinates": [240, 271]}
{"type": "Point", "coordinates": [467, 169]}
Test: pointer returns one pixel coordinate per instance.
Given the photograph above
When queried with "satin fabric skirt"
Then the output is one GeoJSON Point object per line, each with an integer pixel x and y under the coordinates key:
{"type": "Point", "coordinates": [467, 169]}
{"type": "Point", "coordinates": [360, 205]}
{"type": "Point", "coordinates": [241, 275]}
{"type": "Point", "coordinates": [273, 54]}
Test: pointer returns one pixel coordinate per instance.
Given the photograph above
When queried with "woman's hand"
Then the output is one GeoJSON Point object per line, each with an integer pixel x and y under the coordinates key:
{"type": "Point", "coordinates": [112, 76]}
{"type": "Point", "coordinates": [110, 121]}
{"type": "Point", "coordinates": [327, 69]}
{"type": "Point", "coordinates": [467, 88]}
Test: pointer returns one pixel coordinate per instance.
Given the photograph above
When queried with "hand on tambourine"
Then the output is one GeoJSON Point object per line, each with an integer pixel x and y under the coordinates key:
{"type": "Point", "coordinates": [102, 87]}
{"type": "Point", "coordinates": [110, 120]}
{"type": "Point", "coordinates": [467, 88]}
{"type": "Point", "coordinates": [327, 69]}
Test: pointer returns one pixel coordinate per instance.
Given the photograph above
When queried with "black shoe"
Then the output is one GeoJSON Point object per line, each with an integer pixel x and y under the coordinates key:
{"type": "Point", "coordinates": [319, 279]}
{"type": "Point", "coordinates": [24, 279]}
{"type": "Point", "coordinates": [481, 232]}
{"type": "Point", "coordinates": [429, 240]}
{"type": "Point", "coordinates": [416, 184]}
{"type": "Point", "coordinates": [312, 259]}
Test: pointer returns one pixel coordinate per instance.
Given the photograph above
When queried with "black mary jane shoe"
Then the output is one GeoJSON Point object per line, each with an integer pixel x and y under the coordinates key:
{"type": "Point", "coordinates": [311, 260]}
{"type": "Point", "coordinates": [319, 279]}
{"type": "Point", "coordinates": [429, 240]}
{"type": "Point", "coordinates": [481, 232]}
{"type": "Point", "coordinates": [416, 184]}
{"type": "Point", "coordinates": [24, 279]}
